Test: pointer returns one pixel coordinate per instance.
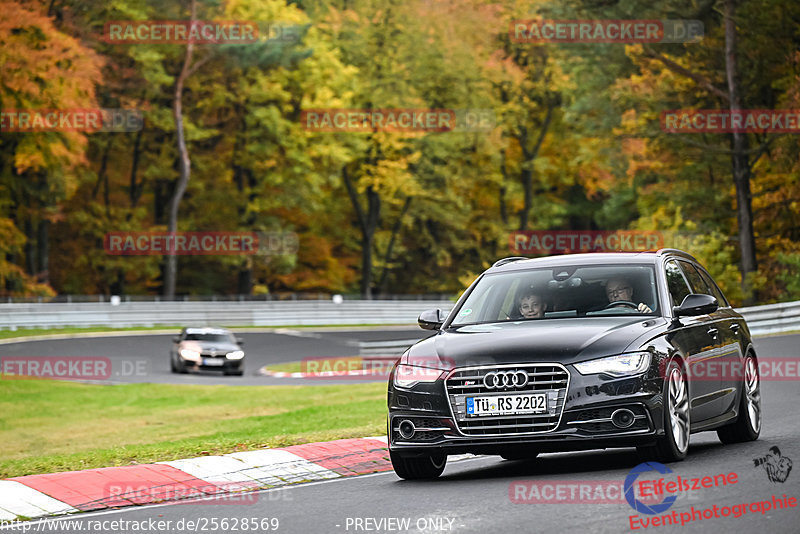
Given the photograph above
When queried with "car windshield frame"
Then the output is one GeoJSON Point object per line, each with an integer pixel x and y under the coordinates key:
{"type": "Point", "coordinates": [580, 289]}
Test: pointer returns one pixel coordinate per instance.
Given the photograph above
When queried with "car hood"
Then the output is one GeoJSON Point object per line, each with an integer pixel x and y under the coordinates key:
{"type": "Point", "coordinates": [560, 340]}
{"type": "Point", "coordinates": [205, 346]}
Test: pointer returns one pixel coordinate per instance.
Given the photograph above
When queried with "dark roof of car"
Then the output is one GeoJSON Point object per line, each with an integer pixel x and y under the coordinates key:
{"type": "Point", "coordinates": [518, 263]}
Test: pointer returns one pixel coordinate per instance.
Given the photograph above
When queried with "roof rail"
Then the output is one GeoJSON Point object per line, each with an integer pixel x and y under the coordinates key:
{"type": "Point", "coordinates": [503, 261]}
{"type": "Point", "coordinates": [677, 252]}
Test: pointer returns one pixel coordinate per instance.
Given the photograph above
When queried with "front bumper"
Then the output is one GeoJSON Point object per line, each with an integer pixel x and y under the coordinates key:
{"type": "Point", "coordinates": [224, 365]}
{"type": "Point", "coordinates": [583, 419]}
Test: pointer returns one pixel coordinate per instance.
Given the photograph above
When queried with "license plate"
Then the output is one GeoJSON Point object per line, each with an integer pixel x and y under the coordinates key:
{"type": "Point", "coordinates": [507, 404]}
{"type": "Point", "coordinates": [212, 362]}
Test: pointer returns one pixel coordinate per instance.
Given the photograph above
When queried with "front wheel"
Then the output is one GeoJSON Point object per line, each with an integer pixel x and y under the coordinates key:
{"type": "Point", "coordinates": [747, 426]}
{"type": "Point", "coordinates": [418, 468]}
{"type": "Point", "coordinates": [674, 445]}
{"type": "Point", "coordinates": [177, 366]}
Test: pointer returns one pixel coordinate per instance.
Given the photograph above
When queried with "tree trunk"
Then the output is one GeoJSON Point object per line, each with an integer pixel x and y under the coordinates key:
{"type": "Point", "coordinates": [170, 274]}
{"type": "Point", "coordinates": [740, 162]}
{"type": "Point", "coordinates": [368, 223]}
{"type": "Point", "coordinates": [133, 193]}
{"type": "Point", "coordinates": [240, 178]}
{"type": "Point", "coordinates": [388, 257]}
{"type": "Point", "coordinates": [43, 244]}
{"type": "Point", "coordinates": [527, 173]}
{"type": "Point", "coordinates": [30, 246]}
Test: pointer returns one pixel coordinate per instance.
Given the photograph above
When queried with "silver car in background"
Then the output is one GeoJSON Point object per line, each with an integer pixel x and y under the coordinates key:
{"type": "Point", "coordinates": [207, 349]}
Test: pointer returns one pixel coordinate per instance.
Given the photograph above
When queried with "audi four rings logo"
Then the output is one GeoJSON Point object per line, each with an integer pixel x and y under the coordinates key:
{"type": "Point", "coordinates": [505, 379]}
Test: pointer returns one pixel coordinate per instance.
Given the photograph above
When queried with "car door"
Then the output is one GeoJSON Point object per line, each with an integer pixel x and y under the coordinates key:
{"type": "Point", "coordinates": [731, 370]}
{"type": "Point", "coordinates": [712, 367]}
{"type": "Point", "coordinates": [692, 336]}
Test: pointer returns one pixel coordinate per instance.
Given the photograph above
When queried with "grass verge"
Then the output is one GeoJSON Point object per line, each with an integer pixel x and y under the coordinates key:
{"type": "Point", "coordinates": [49, 426]}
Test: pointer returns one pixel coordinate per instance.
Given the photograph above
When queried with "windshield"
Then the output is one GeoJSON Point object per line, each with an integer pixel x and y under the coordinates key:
{"type": "Point", "coordinates": [570, 291]}
{"type": "Point", "coordinates": [216, 338]}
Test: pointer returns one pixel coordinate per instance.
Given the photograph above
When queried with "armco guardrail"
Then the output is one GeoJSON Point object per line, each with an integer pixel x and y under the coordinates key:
{"type": "Point", "coordinates": [772, 318]}
{"type": "Point", "coordinates": [384, 349]}
{"type": "Point", "coordinates": [275, 313]}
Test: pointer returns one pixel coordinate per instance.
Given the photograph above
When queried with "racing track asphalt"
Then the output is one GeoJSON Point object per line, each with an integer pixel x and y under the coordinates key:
{"type": "Point", "coordinates": [474, 493]}
{"type": "Point", "coordinates": [145, 358]}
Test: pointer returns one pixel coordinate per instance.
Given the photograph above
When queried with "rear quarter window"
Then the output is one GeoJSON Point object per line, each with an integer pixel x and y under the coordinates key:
{"type": "Point", "coordinates": [676, 283]}
{"type": "Point", "coordinates": [697, 283]}
{"type": "Point", "coordinates": [715, 290]}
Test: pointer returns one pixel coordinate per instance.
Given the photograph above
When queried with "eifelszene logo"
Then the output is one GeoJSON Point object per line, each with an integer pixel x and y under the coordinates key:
{"type": "Point", "coordinates": [777, 467]}
{"type": "Point", "coordinates": [636, 504]}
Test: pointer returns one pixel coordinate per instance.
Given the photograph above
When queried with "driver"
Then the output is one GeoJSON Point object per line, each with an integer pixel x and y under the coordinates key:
{"type": "Point", "coordinates": [620, 290]}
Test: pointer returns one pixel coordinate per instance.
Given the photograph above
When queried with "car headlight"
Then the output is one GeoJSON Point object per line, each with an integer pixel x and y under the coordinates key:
{"type": "Point", "coordinates": [633, 363]}
{"type": "Point", "coordinates": [190, 354]}
{"type": "Point", "coordinates": [235, 355]}
{"type": "Point", "coordinates": [406, 376]}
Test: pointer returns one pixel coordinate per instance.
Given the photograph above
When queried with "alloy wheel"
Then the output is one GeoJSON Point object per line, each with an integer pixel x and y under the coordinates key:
{"type": "Point", "coordinates": [752, 392]}
{"type": "Point", "coordinates": [679, 409]}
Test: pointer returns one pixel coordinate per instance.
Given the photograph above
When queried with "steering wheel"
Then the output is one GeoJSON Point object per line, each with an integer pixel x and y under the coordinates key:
{"type": "Point", "coordinates": [627, 303]}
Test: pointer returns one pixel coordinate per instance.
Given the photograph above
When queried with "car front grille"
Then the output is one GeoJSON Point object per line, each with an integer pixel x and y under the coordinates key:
{"type": "Point", "coordinates": [551, 379]}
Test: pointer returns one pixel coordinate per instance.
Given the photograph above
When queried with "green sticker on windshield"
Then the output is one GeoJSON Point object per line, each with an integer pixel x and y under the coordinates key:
{"type": "Point", "coordinates": [466, 312]}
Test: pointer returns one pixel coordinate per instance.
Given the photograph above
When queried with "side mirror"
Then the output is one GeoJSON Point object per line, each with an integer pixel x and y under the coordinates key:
{"type": "Point", "coordinates": [431, 319]}
{"type": "Point", "coordinates": [696, 304]}
{"type": "Point", "coordinates": [176, 339]}
{"type": "Point", "coordinates": [239, 341]}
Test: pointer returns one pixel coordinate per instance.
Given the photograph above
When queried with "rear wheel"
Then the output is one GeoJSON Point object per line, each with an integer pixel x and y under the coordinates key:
{"type": "Point", "coordinates": [674, 445]}
{"type": "Point", "coordinates": [747, 426]}
{"type": "Point", "coordinates": [418, 468]}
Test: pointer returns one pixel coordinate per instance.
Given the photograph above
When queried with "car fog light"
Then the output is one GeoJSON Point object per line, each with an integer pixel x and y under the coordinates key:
{"type": "Point", "coordinates": [407, 429]}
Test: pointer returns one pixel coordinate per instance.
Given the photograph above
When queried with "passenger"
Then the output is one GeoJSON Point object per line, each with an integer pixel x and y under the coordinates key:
{"type": "Point", "coordinates": [531, 305]}
{"type": "Point", "coordinates": [620, 290]}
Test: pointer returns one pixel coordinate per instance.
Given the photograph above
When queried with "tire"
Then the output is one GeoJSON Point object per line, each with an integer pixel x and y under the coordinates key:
{"type": "Point", "coordinates": [233, 373]}
{"type": "Point", "coordinates": [418, 468]}
{"type": "Point", "coordinates": [747, 426]}
{"type": "Point", "coordinates": [178, 367]}
{"type": "Point", "coordinates": [172, 367]}
{"type": "Point", "coordinates": [674, 445]}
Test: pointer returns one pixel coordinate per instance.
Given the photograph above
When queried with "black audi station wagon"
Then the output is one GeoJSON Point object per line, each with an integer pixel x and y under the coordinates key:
{"type": "Point", "coordinates": [575, 352]}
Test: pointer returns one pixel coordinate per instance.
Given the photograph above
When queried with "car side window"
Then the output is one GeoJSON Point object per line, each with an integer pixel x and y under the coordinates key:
{"type": "Point", "coordinates": [715, 290]}
{"type": "Point", "coordinates": [697, 283]}
{"type": "Point", "coordinates": [676, 283]}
